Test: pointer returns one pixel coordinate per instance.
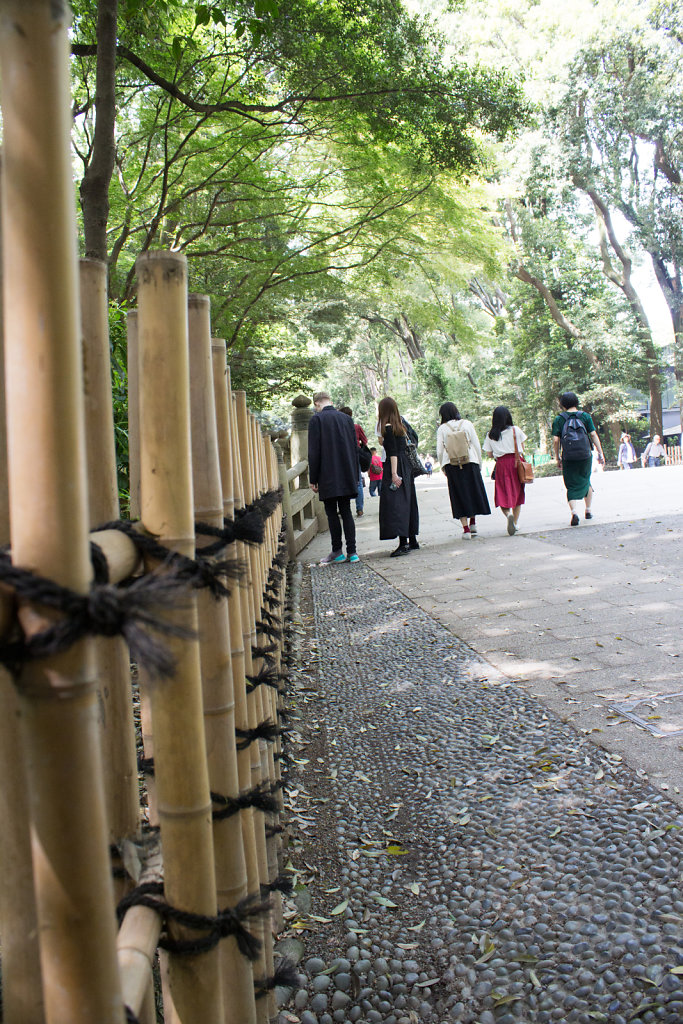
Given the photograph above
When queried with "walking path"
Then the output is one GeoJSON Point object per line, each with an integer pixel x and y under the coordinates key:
{"type": "Point", "coordinates": [460, 853]}
{"type": "Point", "coordinates": [588, 619]}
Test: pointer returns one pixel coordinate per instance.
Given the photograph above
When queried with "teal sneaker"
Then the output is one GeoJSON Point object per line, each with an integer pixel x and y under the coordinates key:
{"type": "Point", "coordinates": [353, 558]}
{"type": "Point", "coordinates": [334, 556]}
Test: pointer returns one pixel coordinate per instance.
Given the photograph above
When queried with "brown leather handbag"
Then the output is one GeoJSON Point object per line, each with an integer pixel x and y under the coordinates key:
{"type": "Point", "coordinates": [525, 471]}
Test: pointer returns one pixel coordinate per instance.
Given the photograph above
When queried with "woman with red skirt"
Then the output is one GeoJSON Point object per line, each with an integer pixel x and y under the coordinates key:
{"type": "Point", "coordinates": [500, 442]}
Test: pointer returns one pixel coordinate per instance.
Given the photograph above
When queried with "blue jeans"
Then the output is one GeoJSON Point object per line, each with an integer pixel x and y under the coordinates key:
{"type": "Point", "coordinates": [360, 497]}
{"type": "Point", "coordinates": [375, 487]}
{"type": "Point", "coordinates": [652, 461]}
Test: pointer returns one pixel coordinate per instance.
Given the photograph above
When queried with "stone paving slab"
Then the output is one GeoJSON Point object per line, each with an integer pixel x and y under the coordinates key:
{"type": "Point", "coordinates": [597, 608]}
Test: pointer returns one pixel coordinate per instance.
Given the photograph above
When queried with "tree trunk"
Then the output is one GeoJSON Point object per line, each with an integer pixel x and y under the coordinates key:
{"type": "Point", "coordinates": [95, 184]}
{"type": "Point", "coordinates": [543, 433]}
{"type": "Point", "coordinates": [672, 290]}
{"type": "Point", "coordinates": [624, 282]}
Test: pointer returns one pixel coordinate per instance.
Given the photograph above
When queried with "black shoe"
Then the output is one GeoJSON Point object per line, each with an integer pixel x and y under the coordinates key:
{"type": "Point", "coordinates": [402, 549]}
{"type": "Point", "coordinates": [588, 515]}
{"type": "Point", "coordinates": [575, 520]}
{"type": "Point", "coordinates": [414, 546]}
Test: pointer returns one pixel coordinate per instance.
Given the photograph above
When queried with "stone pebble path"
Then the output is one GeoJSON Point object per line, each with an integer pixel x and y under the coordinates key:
{"type": "Point", "coordinates": [484, 862]}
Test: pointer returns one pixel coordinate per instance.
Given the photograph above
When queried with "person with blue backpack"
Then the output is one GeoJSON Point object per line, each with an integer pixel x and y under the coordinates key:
{"type": "Point", "coordinates": [574, 436]}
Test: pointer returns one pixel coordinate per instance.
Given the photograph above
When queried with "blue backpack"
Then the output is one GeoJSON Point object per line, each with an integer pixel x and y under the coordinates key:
{"type": "Point", "coordinates": [576, 444]}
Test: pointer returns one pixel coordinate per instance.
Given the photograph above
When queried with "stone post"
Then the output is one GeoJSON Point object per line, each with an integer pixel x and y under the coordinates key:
{"type": "Point", "coordinates": [286, 501]}
{"type": "Point", "coordinates": [302, 412]}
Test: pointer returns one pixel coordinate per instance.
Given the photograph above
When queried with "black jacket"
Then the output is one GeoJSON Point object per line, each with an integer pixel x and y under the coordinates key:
{"type": "Point", "coordinates": [333, 454]}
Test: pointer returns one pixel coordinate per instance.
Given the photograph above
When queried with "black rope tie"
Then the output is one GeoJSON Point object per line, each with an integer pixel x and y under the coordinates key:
{"type": "Point", "coordinates": [198, 572]}
{"type": "Point", "coordinates": [130, 1016]}
{"type": "Point", "coordinates": [271, 832]}
{"type": "Point", "coordinates": [99, 563]}
{"type": "Point", "coordinates": [230, 921]}
{"type": "Point", "coordinates": [266, 676]}
{"type": "Point", "coordinates": [248, 528]}
{"type": "Point", "coordinates": [262, 652]}
{"type": "Point", "coordinates": [283, 884]}
{"type": "Point", "coordinates": [146, 765]}
{"type": "Point", "coordinates": [265, 629]}
{"type": "Point", "coordinates": [104, 611]}
{"type": "Point", "coordinates": [285, 976]}
{"type": "Point", "coordinates": [260, 797]}
{"type": "Point", "coordinates": [272, 620]}
{"type": "Point", "coordinates": [264, 731]}
{"type": "Point", "coordinates": [267, 502]}
{"type": "Point", "coordinates": [248, 525]}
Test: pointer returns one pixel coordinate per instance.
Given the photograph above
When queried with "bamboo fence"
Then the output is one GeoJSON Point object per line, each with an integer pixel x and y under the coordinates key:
{"type": "Point", "coordinates": [141, 860]}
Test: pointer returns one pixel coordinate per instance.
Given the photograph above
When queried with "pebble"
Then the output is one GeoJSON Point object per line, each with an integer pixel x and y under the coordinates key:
{"type": "Point", "coordinates": [501, 865]}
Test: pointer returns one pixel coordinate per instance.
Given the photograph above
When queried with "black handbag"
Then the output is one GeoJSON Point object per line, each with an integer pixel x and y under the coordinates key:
{"type": "Point", "coordinates": [364, 457]}
{"type": "Point", "coordinates": [414, 459]}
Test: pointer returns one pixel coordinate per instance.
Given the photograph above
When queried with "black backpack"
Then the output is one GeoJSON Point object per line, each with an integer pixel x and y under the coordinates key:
{"type": "Point", "coordinates": [576, 444]}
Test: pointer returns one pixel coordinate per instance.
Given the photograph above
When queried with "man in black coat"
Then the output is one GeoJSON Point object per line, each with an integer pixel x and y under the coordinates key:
{"type": "Point", "coordinates": [333, 472]}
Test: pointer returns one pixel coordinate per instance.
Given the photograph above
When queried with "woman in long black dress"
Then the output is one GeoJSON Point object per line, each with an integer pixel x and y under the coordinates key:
{"type": "Point", "coordinates": [465, 486]}
{"type": "Point", "coordinates": [398, 511]}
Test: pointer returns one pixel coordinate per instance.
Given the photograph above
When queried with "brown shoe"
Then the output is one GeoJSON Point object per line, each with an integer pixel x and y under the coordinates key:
{"type": "Point", "coordinates": [359, 512]}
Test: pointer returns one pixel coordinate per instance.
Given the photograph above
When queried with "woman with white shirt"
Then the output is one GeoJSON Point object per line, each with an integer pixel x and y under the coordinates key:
{"type": "Point", "coordinates": [465, 485]}
{"type": "Point", "coordinates": [500, 442]}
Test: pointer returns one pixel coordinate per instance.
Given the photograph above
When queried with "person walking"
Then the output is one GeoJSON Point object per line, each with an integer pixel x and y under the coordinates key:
{"type": "Point", "coordinates": [375, 473]}
{"type": "Point", "coordinates": [574, 436]}
{"type": "Point", "coordinates": [626, 453]}
{"type": "Point", "coordinates": [503, 441]}
{"type": "Point", "coordinates": [333, 471]}
{"type": "Point", "coordinates": [361, 439]}
{"type": "Point", "coordinates": [429, 465]}
{"type": "Point", "coordinates": [653, 453]}
{"type": "Point", "coordinates": [459, 453]}
{"type": "Point", "coordinates": [398, 512]}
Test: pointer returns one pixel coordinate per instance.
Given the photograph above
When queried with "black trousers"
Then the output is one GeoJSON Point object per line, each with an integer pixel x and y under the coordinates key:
{"type": "Point", "coordinates": [336, 507]}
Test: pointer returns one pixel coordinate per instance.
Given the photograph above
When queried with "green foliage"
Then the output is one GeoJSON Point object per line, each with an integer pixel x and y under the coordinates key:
{"type": "Point", "coordinates": [118, 345]}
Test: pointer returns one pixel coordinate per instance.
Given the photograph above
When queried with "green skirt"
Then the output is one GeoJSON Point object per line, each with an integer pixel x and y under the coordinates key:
{"type": "Point", "coordinates": [577, 478]}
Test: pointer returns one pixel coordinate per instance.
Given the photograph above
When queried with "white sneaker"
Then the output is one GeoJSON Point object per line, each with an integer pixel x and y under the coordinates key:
{"type": "Point", "coordinates": [467, 535]}
{"type": "Point", "coordinates": [473, 529]}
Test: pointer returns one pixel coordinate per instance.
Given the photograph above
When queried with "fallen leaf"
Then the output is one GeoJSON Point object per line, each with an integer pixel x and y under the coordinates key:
{"type": "Point", "coordinates": [340, 908]}
{"type": "Point", "coordinates": [507, 999]}
{"type": "Point", "coordinates": [383, 901]}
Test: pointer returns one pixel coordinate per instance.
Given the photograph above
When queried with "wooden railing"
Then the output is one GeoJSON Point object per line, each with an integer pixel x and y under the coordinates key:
{"type": "Point", "coordinates": [300, 505]}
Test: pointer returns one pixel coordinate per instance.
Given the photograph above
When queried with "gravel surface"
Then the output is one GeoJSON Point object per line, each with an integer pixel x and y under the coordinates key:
{"type": "Point", "coordinates": [461, 854]}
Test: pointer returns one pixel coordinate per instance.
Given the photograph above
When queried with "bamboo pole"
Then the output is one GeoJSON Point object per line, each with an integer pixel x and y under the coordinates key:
{"type": "Point", "coordinates": [221, 375]}
{"type": "Point", "coordinates": [166, 500]}
{"type": "Point", "coordinates": [22, 986]}
{"type": "Point", "coordinates": [270, 703]}
{"type": "Point", "coordinates": [133, 414]}
{"type": "Point", "coordinates": [136, 947]}
{"type": "Point", "coordinates": [215, 653]}
{"type": "Point", "coordinates": [116, 695]}
{"type": "Point", "coordinates": [257, 703]}
{"type": "Point", "coordinates": [247, 718]}
{"type": "Point", "coordinates": [48, 514]}
{"type": "Point", "coordinates": [103, 498]}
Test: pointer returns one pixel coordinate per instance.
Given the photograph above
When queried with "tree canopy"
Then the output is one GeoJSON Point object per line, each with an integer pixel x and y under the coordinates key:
{"type": "Point", "coordinates": [384, 205]}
